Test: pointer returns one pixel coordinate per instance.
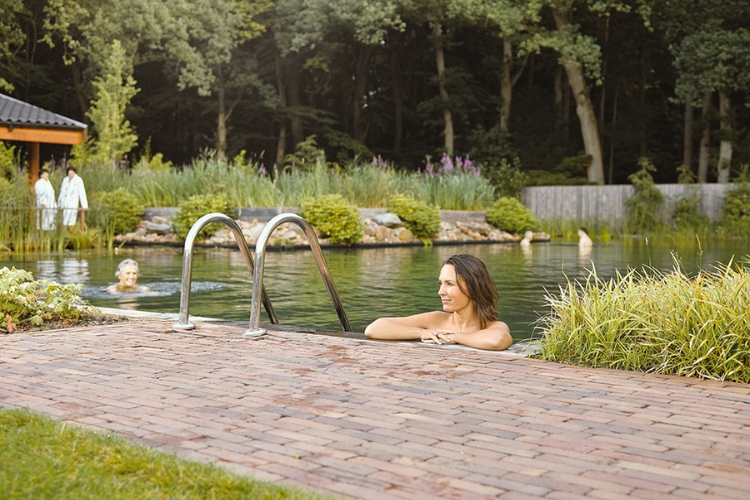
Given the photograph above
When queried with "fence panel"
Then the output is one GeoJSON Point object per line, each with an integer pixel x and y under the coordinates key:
{"type": "Point", "coordinates": [607, 203]}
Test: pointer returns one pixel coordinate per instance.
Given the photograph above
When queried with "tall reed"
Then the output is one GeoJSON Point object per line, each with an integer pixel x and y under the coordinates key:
{"type": "Point", "coordinates": [655, 322]}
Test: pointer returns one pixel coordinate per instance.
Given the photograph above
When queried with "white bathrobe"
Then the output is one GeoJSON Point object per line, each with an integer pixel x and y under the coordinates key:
{"type": "Point", "coordinates": [71, 192]}
{"type": "Point", "coordinates": [46, 205]}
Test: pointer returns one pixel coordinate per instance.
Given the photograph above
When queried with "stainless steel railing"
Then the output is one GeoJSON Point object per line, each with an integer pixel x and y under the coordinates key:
{"type": "Point", "coordinates": [260, 257]}
{"type": "Point", "coordinates": [187, 268]}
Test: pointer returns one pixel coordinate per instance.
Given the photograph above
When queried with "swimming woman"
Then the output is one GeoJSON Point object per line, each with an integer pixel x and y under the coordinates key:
{"type": "Point", "coordinates": [469, 315]}
{"type": "Point", "coordinates": [127, 272]}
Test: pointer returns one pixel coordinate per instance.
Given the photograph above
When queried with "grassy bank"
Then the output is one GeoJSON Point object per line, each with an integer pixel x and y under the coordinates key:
{"type": "Point", "coordinates": [43, 458]}
{"type": "Point", "coordinates": [650, 321]}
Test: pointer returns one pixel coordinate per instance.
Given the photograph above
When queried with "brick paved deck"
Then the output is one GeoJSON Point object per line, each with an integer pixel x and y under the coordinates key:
{"type": "Point", "coordinates": [380, 420]}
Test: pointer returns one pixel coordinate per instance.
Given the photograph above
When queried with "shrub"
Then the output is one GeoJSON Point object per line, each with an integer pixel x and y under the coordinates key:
{"type": "Point", "coordinates": [687, 215]}
{"type": "Point", "coordinates": [508, 179]}
{"type": "Point", "coordinates": [647, 200]}
{"type": "Point", "coordinates": [8, 161]}
{"type": "Point", "coordinates": [23, 300]}
{"type": "Point", "coordinates": [116, 212]}
{"type": "Point", "coordinates": [509, 214]}
{"type": "Point", "coordinates": [735, 218]}
{"type": "Point", "coordinates": [420, 218]}
{"type": "Point", "coordinates": [196, 207]}
{"type": "Point", "coordinates": [335, 217]}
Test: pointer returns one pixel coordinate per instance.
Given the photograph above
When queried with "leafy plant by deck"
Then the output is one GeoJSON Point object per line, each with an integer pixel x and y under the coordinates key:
{"type": "Point", "coordinates": [26, 301]}
{"type": "Point", "coordinates": [43, 458]}
{"type": "Point", "coordinates": [654, 322]}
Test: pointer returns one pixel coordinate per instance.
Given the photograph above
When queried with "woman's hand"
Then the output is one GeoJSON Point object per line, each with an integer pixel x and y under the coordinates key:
{"type": "Point", "coordinates": [438, 336]}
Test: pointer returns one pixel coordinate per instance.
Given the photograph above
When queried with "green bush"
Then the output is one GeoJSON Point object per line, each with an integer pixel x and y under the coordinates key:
{"type": "Point", "coordinates": [508, 179]}
{"type": "Point", "coordinates": [687, 215]}
{"type": "Point", "coordinates": [196, 207]}
{"type": "Point", "coordinates": [420, 218]}
{"type": "Point", "coordinates": [735, 218]}
{"type": "Point", "coordinates": [23, 300]}
{"type": "Point", "coordinates": [9, 161]}
{"type": "Point", "coordinates": [646, 202]}
{"type": "Point", "coordinates": [509, 214]}
{"type": "Point", "coordinates": [335, 217]}
{"type": "Point", "coordinates": [116, 212]}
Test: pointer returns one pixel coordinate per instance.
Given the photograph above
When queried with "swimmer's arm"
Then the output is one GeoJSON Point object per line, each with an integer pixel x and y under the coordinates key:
{"type": "Point", "coordinates": [496, 337]}
{"type": "Point", "coordinates": [403, 328]}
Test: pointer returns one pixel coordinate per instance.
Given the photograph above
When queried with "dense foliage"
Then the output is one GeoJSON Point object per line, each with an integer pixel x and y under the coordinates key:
{"type": "Point", "coordinates": [196, 207]}
{"type": "Point", "coordinates": [420, 218]}
{"type": "Point", "coordinates": [509, 214]}
{"type": "Point", "coordinates": [364, 79]}
{"type": "Point", "coordinates": [654, 322]}
{"type": "Point", "coordinates": [26, 301]}
{"type": "Point", "coordinates": [116, 212]}
{"type": "Point", "coordinates": [336, 218]}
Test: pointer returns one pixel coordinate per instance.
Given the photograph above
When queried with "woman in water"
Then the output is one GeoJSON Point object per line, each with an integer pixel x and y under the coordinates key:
{"type": "Point", "coordinates": [469, 314]}
{"type": "Point", "coordinates": [127, 273]}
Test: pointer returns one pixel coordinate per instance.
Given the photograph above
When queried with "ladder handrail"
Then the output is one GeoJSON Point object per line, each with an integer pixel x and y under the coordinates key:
{"type": "Point", "coordinates": [260, 258]}
{"type": "Point", "coordinates": [187, 267]}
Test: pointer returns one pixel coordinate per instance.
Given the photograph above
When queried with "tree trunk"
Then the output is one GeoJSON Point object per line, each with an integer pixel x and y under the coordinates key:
{"type": "Point", "coordinates": [360, 89]}
{"type": "Point", "coordinates": [83, 103]}
{"type": "Point", "coordinates": [295, 100]}
{"type": "Point", "coordinates": [398, 106]}
{"type": "Point", "coordinates": [687, 143]}
{"type": "Point", "coordinates": [221, 133]}
{"type": "Point", "coordinates": [613, 134]}
{"type": "Point", "coordinates": [725, 149]}
{"type": "Point", "coordinates": [447, 116]}
{"type": "Point", "coordinates": [506, 87]}
{"type": "Point", "coordinates": [281, 144]}
{"type": "Point", "coordinates": [704, 154]}
{"type": "Point", "coordinates": [584, 109]}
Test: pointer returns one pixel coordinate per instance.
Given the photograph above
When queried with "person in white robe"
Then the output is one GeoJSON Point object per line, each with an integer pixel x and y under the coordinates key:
{"type": "Point", "coordinates": [45, 202]}
{"type": "Point", "coordinates": [72, 192]}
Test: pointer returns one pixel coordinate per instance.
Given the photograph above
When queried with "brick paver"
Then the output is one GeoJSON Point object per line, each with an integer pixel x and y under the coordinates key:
{"type": "Point", "coordinates": [384, 420]}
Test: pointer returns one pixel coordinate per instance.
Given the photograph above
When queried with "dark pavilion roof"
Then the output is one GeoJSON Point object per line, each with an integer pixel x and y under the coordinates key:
{"type": "Point", "coordinates": [15, 113]}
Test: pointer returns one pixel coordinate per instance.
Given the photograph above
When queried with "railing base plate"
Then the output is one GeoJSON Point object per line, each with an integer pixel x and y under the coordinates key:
{"type": "Point", "coordinates": [183, 326]}
{"type": "Point", "coordinates": [255, 333]}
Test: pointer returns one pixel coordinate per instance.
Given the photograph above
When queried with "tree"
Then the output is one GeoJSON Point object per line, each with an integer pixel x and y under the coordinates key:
{"type": "Point", "coordinates": [715, 58]}
{"type": "Point", "coordinates": [114, 90]}
{"type": "Point", "coordinates": [11, 36]}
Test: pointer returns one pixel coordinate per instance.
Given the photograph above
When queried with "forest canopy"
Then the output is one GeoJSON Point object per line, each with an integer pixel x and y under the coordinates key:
{"type": "Point", "coordinates": [572, 90]}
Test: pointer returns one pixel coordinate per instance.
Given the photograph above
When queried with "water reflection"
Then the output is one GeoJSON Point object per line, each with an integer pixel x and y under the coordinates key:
{"type": "Point", "coordinates": [371, 283]}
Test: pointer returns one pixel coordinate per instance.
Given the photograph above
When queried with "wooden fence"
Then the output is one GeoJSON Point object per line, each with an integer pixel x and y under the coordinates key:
{"type": "Point", "coordinates": [607, 203]}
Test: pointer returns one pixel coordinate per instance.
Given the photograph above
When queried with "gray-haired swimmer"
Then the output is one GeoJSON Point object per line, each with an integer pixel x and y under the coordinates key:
{"type": "Point", "coordinates": [127, 273]}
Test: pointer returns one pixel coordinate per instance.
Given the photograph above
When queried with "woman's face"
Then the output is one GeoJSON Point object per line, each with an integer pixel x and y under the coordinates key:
{"type": "Point", "coordinates": [45, 176]}
{"type": "Point", "coordinates": [71, 174]}
{"type": "Point", "coordinates": [450, 294]}
{"type": "Point", "coordinates": [128, 276]}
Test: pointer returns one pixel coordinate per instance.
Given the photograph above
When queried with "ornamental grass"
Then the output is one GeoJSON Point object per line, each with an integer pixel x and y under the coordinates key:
{"type": "Point", "coordinates": [655, 322]}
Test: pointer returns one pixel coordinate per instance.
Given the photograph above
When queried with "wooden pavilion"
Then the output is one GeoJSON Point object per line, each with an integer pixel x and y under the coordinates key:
{"type": "Point", "coordinates": [21, 121]}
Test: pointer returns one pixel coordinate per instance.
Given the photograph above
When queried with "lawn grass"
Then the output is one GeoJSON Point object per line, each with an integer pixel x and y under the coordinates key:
{"type": "Point", "coordinates": [42, 458]}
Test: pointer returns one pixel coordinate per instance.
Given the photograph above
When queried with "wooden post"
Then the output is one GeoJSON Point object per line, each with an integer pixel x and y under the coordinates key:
{"type": "Point", "coordinates": [33, 163]}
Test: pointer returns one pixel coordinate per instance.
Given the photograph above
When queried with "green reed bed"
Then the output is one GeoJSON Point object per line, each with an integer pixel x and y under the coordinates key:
{"type": "Point", "coordinates": [655, 322]}
{"type": "Point", "coordinates": [43, 458]}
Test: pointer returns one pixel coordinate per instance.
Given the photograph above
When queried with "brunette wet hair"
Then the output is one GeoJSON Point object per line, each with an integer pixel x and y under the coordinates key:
{"type": "Point", "coordinates": [476, 282]}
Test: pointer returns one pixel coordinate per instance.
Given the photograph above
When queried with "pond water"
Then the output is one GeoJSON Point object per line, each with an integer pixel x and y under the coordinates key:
{"type": "Point", "coordinates": [374, 282]}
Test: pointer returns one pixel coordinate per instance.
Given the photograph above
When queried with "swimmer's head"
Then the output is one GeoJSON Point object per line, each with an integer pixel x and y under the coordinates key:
{"type": "Point", "coordinates": [126, 262]}
{"type": "Point", "coordinates": [476, 282]}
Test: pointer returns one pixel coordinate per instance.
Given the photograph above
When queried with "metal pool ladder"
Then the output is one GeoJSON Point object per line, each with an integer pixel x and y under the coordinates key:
{"type": "Point", "coordinates": [259, 290]}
